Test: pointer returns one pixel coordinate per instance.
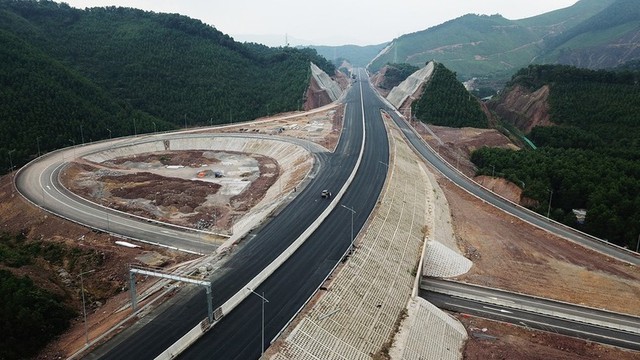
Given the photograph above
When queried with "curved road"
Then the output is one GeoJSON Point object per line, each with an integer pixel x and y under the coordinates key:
{"type": "Point", "coordinates": [525, 214]}
{"type": "Point", "coordinates": [39, 183]}
{"type": "Point", "coordinates": [237, 335]}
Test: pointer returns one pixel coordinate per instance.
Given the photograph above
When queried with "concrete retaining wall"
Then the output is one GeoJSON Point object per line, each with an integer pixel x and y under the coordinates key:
{"type": "Point", "coordinates": [184, 342]}
{"type": "Point", "coordinates": [324, 81]}
{"type": "Point", "coordinates": [410, 85]}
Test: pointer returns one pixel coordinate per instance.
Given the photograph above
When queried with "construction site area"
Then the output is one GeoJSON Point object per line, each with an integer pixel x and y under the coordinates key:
{"type": "Point", "coordinates": [423, 223]}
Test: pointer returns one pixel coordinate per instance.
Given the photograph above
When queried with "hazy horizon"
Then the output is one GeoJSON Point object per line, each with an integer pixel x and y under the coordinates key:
{"type": "Point", "coordinates": [331, 23]}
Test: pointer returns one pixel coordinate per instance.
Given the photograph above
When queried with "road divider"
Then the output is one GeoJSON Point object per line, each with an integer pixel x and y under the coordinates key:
{"type": "Point", "coordinates": [189, 338]}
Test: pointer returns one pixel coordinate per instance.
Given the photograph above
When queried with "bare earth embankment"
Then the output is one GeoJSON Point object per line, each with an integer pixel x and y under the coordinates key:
{"type": "Point", "coordinates": [513, 255]}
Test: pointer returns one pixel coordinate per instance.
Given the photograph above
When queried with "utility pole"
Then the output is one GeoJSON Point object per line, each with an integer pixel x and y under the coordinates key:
{"type": "Point", "coordinates": [11, 169]}
{"type": "Point", "coordinates": [353, 212]}
{"type": "Point", "coordinates": [84, 309]}
{"type": "Point", "coordinates": [549, 208]}
{"type": "Point", "coordinates": [262, 323]}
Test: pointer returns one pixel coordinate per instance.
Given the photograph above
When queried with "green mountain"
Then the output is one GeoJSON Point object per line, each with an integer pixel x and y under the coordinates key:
{"type": "Point", "coordinates": [492, 46]}
{"type": "Point", "coordinates": [606, 40]}
{"type": "Point", "coordinates": [588, 155]}
{"type": "Point", "coordinates": [46, 105]}
{"type": "Point", "coordinates": [72, 74]}
{"type": "Point", "coordinates": [445, 102]}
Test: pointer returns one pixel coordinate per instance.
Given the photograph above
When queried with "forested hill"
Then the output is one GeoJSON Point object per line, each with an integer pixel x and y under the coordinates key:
{"type": "Point", "coordinates": [446, 102]}
{"type": "Point", "coordinates": [591, 33]}
{"type": "Point", "coordinates": [605, 40]}
{"type": "Point", "coordinates": [589, 160]}
{"type": "Point", "coordinates": [70, 75]}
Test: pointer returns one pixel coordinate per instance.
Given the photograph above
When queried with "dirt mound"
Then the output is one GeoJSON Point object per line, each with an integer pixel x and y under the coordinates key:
{"type": "Point", "coordinates": [183, 195]}
{"type": "Point", "coordinates": [196, 201]}
{"type": "Point", "coordinates": [191, 158]}
{"type": "Point", "coordinates": [502, 187]}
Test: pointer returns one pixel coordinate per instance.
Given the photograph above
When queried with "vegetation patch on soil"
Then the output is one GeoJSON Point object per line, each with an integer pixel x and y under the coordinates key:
{"type": "Point", "coordinates": [52, 252]}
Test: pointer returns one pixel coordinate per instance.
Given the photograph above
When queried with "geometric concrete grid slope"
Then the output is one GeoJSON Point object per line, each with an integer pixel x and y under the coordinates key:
{"type": "Point", "coordinates": [441, 262]}
{"type": "Point", "coordinates": [433, 334]}
{"type": "Point", "coordinates": [357, 314]}
{"type": "Point", "coordinates": [410, 85]}
{"type": "Point", "coordinates": [326, 83]}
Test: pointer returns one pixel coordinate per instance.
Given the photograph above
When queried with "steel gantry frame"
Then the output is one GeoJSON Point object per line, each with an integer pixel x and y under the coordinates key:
{"type": "Point", "coordinates": [152, 272]}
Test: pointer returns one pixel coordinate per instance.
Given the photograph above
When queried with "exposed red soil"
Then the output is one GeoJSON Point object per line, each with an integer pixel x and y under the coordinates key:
{"type": "Point", "coordinates": [510, 254]}
{"type": "Point", "coordinates": [82, 250]}
{"type": "Point", "coordinates": [173, 200]}
{"type": "Point", "coordinates": [317, 97]}
{"type": "Point", "coordinates": [525, 109]}
{"type": "Point", "coordinates": [496, 340]}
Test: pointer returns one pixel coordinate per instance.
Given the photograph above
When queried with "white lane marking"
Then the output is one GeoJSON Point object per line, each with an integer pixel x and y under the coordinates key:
{"type": "Point", "coordinates": [496, 309]}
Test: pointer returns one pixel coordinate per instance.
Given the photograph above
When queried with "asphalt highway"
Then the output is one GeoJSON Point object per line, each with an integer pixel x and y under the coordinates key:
{"type": "Point", "coordinates": [39, 183]}
{"type": "Point", "coordinates": [238, 334]}
{"type": "Point", "coordinates": [534, 320]}
{"type": "Point", "coordinates": [509, 299]}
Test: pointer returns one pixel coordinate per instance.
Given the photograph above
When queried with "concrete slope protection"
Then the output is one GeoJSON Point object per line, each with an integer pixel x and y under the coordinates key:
{"type": "Point", "coordinates": [237, 335]}
{"type": "Point", "coordinates": [326, 83]}
{"type": "Point", "coordinates": [410, 85]}
{"type": "Point", "coordinates": [298, 278]}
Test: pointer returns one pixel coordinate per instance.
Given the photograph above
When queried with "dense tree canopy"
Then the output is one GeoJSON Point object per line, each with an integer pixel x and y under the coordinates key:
{"type": "Point", "coordinates": [446, 102]}
{"type": "Point", "coordinates": [29, 317]}
{"type": "Point", "coordinates": [71, 75]}
{"type": "Point", "coordinates": [590, 160]}
{"type": "Point", "coordinates": [397, 73]}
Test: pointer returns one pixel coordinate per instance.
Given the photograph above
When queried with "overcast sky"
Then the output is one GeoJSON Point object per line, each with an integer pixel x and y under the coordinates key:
{"type": "Point", "coordinates": [330, 22]}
